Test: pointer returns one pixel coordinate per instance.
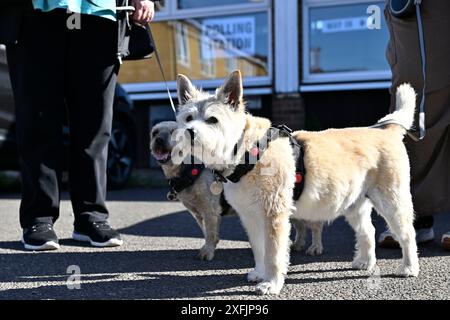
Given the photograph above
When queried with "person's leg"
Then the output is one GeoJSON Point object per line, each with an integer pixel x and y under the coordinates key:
{"type": "Point", "coordinates": [36, 68]}
{"type": "Point", "coordinates": [430, 169]}
{"type": "Point", "coordinates": [92, 73]}
{"type": "Point", "coordinates": [429, 158]}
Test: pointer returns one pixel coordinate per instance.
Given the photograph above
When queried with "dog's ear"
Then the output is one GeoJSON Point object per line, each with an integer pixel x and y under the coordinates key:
{"type": "Point", "coordinates": [232, 91]}
{"type": "Point", "coordinates": [185, 89]}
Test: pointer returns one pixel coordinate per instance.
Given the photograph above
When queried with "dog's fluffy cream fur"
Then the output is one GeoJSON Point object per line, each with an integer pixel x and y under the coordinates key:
{"type": "Point", "coordinates": [206, 207]}
{"type": "Point", "coordinates": [348, 172]}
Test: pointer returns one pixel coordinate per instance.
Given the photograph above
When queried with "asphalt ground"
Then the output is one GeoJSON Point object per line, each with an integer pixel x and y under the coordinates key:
{"type": "Point", "coordinates": [158, 260]}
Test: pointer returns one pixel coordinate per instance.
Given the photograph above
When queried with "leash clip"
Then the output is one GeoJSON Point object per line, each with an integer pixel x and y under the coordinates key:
{"type": "Point", "coordinates": [219, 176]}
{"type": "Point", "coordinates": [285, 129]}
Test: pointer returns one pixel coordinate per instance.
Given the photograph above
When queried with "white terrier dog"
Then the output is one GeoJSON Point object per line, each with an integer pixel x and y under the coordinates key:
{"type": "Point", "coordinates": [348, 172]}
{"type": "Point", "coordinates": [205, 206]}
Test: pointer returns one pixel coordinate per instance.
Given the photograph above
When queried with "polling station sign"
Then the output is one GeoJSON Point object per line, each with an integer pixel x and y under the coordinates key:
{"type": "Point", "coordinates": [228, 37]}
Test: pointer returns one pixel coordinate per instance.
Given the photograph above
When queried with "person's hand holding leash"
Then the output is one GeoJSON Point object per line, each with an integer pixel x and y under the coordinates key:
{"type": "Point", "coordinates": [145, 11]}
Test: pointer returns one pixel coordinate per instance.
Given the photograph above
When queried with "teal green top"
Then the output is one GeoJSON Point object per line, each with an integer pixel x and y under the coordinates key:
{"type": "Point", "coordinates": [102, 8]}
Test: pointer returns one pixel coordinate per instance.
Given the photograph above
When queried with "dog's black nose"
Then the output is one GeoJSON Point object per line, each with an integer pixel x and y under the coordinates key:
{"type": "Point", "coordinates": [159, 141]}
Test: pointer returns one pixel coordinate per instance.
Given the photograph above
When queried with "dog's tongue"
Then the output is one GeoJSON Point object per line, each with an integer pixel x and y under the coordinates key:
{"type": "Point", "coordinates": [161, 155]}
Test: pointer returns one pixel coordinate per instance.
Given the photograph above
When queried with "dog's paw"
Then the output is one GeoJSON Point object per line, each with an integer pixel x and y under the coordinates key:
{"type": "Point", "coordinates": [364, 264]}
{"type": "Point", "coordinates": [255, 276]}
{"type": "Point", "coordinates": [298, 246]}
{"type": "Point", "coordinates": [206, 253]}
{"type": "Point", "coordinates": [171, 196]}
{"type": "Point", "coordinates": [314, 250]}
{"type": "Point", "coordinates": [269, 287]}
{"type": "Point", "coordinates": [408, 271]}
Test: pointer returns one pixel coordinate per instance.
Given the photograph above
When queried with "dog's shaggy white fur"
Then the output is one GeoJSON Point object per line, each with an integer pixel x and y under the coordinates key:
{"type": "Point", "coordinates": [206, 207]}
{"type": "Point", "coordinates": [348, 172]}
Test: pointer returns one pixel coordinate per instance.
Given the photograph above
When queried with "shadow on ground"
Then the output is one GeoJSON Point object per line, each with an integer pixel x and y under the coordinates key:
{"type": "Point", "coordinates": [120, 274]}
{"type": "Point", "coordinates": [182, 224]}
{"type": "Point", "coordinates": [159, 274]}
{"type": "Point", "coordinates": [136, 275]}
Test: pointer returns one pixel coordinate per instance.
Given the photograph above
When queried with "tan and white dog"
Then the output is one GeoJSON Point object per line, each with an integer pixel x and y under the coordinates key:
{"type": "Point", "coordinates": [348, 171]}
{"type": "Point", "coordinates": [208, 208]}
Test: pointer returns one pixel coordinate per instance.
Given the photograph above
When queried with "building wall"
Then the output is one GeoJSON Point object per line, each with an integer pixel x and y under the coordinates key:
{"type": "Point", "coordinates": [289, 110]}
{"type": "Point", "coordinates": [289, 107]}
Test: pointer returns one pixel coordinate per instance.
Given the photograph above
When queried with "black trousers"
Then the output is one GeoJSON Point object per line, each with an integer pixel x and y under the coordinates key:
{"type": "Point", "coordinates": [54, 69]}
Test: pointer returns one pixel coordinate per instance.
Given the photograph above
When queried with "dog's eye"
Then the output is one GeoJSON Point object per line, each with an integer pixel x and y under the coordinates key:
{"type": "Point", "coordinates": [154, 133]}
{"type": "Point", "coordinates": [189, 118]}
{"type": "Point", "coordinates": [211, 120]}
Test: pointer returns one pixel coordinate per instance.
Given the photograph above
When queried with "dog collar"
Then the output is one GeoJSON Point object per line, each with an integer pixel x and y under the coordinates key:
{"type": "Point", "coordinates": [189, 173]}
{"type": "Point", "coordinates": [250, 158]}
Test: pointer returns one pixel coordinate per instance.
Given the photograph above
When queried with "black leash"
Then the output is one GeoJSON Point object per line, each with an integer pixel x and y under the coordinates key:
{"type": "Point", "coordinates": [161, 69]}
{"type": "Point", "coordinates": [424, 70]}
{"type": "Point", "coordinates": [127, 8]}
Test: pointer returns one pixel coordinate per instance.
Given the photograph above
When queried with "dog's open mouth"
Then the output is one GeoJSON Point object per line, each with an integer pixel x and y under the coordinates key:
{"type": "Point", "coordinates": [162, 156]}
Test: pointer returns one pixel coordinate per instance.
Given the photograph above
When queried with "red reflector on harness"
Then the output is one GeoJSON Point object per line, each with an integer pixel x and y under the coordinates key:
{"type": "Point", "coordinates": [194, 172]}
{"type": "Point", "coordinates": [298, 178]}
{"type": "Point", "coordinates": [254, 151]}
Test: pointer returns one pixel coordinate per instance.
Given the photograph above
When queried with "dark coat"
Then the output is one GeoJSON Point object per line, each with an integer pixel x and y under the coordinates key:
{"type": "Point", "coordinates": [11, 15]}
{"type": "Point", "coordinates": [430, 158]}
{"type": "Point", "coordinates": [13, 11]}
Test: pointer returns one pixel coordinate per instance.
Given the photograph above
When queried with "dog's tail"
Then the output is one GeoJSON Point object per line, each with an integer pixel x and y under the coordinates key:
{"type": "Point", "coordinates": [403, 116]}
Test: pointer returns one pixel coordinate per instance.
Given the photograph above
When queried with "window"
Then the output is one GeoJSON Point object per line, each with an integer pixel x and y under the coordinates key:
{"type": "Point", "coordinates": [205, 45]}
{"type": "Point", "coordinates": [195, 4]}
{"type": "Point", "coordinates": [182, 43]}
{"type": "Point", "coordinates": [206, 49]}
{"type": "Point", "coordinates": [343, 43]}
{"type": "Point", "coordinates": [203, 48]}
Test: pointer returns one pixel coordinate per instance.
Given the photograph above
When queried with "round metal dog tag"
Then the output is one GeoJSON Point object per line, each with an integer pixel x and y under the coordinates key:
{"type": "Point", "coordinates": [216, 188]}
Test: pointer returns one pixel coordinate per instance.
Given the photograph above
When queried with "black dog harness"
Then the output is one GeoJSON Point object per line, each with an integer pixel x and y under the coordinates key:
{"type": "Point", "coordinates": [250, 158]}
{"type": "Point", "coordinates": [189, 174]}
